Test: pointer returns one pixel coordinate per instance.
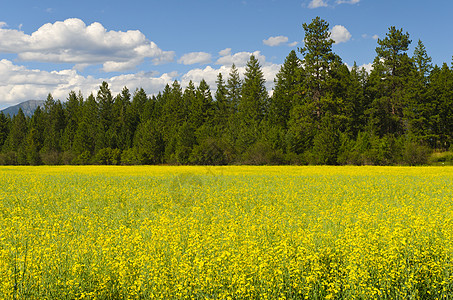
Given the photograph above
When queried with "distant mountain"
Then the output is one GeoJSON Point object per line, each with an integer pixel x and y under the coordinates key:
{"type": "Point", "coordinates": [28, 107]}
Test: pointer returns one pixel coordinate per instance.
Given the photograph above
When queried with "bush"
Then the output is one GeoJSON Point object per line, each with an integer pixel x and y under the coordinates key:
{"type": "Point", "coordinates": [51, 158]}
{"type": "Point", "coordinates": [8, 158]}
{"type": "Point", "coordinates": [129, 157]}
{"type": "Point", "coordinates": [67, 158]}
{"type": "Point", "coordinates": [209, 152]}
{"type": "Point", "coordinates": [82, 159]}
{"type": "Point", "coordinates": [441, 158]}
{"type": "Point", "coordinates": [108, 156]}
{"type": "Point", "coordinates": [261, 153]}
{"type": "Point", "coordinates": [415, 154]}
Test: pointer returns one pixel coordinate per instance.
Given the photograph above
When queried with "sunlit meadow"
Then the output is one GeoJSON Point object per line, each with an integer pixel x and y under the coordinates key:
{"type": "Point", "coordinates": [163, 232]}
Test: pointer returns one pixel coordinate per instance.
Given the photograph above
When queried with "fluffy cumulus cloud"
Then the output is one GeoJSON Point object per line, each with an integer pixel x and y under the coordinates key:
{"type": "Point", "coordinates": [324, 3]}
{"type": "Point", "coordinates": [368, 67]}
{"type": "Point", "coordinates": [195, 58]}
{"type": "Point", "coordinates": [18, 83]}
{"type": "Point", "coordinates": [348, 1]}
{"type": "Point", "coordinates": [225, 52]}
{"type": "Point", "coordinates": [340, 34]}
{"type": "Point", "coordinates": [240, 59]}
{"type": "Point", "coordinates": [209, 74]}
{"type": "Point", "coordinates": [72, 41]}
{"type": "Point", "coordinates": [275, 41]}
{"type": "Point", "coordinates": [317, 3]}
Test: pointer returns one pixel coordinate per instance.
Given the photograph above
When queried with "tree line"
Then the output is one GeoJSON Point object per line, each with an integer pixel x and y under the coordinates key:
{"type": "Point", "coordinates": [320, 112]}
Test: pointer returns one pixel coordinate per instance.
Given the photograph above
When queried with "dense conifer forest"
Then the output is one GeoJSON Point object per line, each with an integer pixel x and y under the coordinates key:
{"type": "Point", "coordinates": [320, 112]}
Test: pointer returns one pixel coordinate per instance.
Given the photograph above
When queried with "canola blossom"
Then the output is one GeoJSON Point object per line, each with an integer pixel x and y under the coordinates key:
{"type": "Point", "coordinates": [164, 232]}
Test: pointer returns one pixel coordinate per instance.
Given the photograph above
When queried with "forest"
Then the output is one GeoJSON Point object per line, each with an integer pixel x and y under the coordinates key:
{"type": "Point", "coordinates": [320, 112]}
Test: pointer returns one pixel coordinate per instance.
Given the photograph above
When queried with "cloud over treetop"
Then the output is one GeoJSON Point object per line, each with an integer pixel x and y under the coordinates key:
{"type": "Point", "coordinates": [72, 41]}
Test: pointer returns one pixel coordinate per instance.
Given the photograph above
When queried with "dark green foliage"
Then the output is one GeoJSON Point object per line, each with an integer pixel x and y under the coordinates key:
{"type": "Point", "coordinates": [4, 129]}
{"type": "Point", "coordinates": [287, 92]}
{"type": "Point", "coordinates": [320, 112]}
{"type": "Point", "coordinates": [252, 106]}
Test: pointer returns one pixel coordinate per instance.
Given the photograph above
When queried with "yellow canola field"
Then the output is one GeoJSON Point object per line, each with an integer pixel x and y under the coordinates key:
{"type": "Point", "coordinates": [161, 232]}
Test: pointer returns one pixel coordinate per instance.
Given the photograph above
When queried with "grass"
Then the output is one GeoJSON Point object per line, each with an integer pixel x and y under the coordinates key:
{"type": "Point", "coordinates": [226, 232]}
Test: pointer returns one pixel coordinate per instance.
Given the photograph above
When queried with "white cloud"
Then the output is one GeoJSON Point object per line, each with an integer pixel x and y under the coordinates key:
{"type": "Point", "coordinates": [72, 41]}
{"type": "Point", "coordinates": [293, 44]}
{"type": "Point", "coordinates": [275, 41]}
{"type": "Point", "coordinates": [209, 74]}
{"type": "Point", "coordinates": [195, 58]}
{"type": "Point", "coordinates": [240, 59]}
{"type": "Point", "coordinates": [317, 3]}
{"type": "Point", "coordinates": [340, 34]}
{"type": "Point", "coordinates": [17, 83]}
{"type": "Point", "coordinates": [348, 1]}
{"type": "Point", "coordinates": [225, 52]}
{"type": "Point", "coordinates": [368, 67]}
{"type": "Point", "coordinates": [375, 37]}
{"type": "Point", "coordinates": [3, 24]}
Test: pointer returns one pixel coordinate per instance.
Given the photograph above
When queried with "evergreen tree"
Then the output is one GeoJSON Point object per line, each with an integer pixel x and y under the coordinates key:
{"type": "Point", "coordinates": [326, 143]}
{"type": "Point", "coordinates": [106, 130]}
{"type": "Point", "coordinates": [223, 107]}
{"type": "Point", "coordinates": [253, 104]}
{"type": "Point", "coordinates": [86, 134]}
{"type": "Point", "coordinates": [35, 138]}
{"type": "Point", "coordinates": [287, 91]}
{"type": "Point", "coordinates": [148, 144]}
{"type": "Point", "coordinates": [234, 88]}
{"type": "Point", "coordinates": [439, 110]}
{"type": "Point", "coordinates": [391, 72]}
{"type": "Point", "coordinates": [55, 125]}
{"type": "Point", "coordinates": [71, 109]}
{"type": "Point", "coordinates": [123, 119]}
{"type": "Point", "coordinates": [201, 110]}
{"type": "Point", "coordinates": [318, 56]}
{"type": "Point", "coordinates": [16, 140]}
{"type": "Point", "coordinates": [356, 96]}
{"type": "Point", "coordinates": [422, 61]}
{"type": "Point", "coordinates": [3, 129]}
{"type": "Point", "coordinates": [417, 112]}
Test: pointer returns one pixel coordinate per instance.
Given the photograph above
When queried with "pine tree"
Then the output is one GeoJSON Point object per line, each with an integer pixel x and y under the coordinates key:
{"type": "Point", "coordinates": [55, 125]}
{"type": "Point", "coordinates": [123, 119]}
{"type": "Point", "coordinates": [416, 111]}
{"type": "Point", "coordinates": [3, 129]}
{"type": "Point", "coordinates": [106, 131]}
{"type": "Point", "coordinates": [287, 91]}
{"type": "Point", "coordinates": [16, 140]}
{"type": "Point", "coordinates": [86, 134]}
{"type": "Point", "coordinates": [356, 96]}
{"type": "Point", "coordinates": [392, 53]}
{"type": "Point", "coordinates": [389, 79]}
{"type": "Point", "coordinates": [439, 110]}
{"type": "Point", "coordinates": [253, 104]}
{"type": "Point", "coordinates": [71, 108]}
{"type": "Point", "coordinates": [223, 107]}
{"type": "Point", "coordinates": [202, 108]}
{"type": "Point", "coordinates": [318, 56]}
{"type": "Point", "coordinates": [234, 88]}
{"type": "Point", "coordinates": [35, 138]}
{"type": "Point", "coordinates": [423, 62]}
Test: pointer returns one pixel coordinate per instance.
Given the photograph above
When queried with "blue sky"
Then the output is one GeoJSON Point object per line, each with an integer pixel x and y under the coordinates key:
{"type": "Point", "coordinates": [59, 46]}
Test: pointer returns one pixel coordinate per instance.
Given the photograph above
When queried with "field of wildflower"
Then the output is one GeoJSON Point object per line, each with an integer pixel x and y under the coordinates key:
{"type": "Point", "coordinates": [161, 232]}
